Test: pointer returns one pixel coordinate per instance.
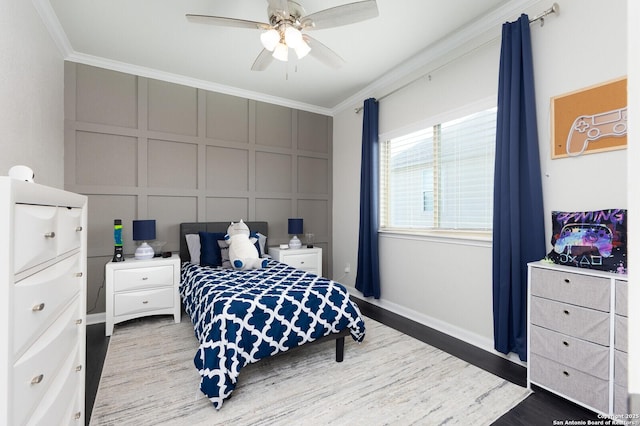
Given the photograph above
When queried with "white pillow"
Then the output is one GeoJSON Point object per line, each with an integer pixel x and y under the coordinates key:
{"type": "Point", "coordinates": [224, 254]}
{"type": "Point", "coordinates": [262, 242]}
{"type": "Point", "coordinates": [193, 243]}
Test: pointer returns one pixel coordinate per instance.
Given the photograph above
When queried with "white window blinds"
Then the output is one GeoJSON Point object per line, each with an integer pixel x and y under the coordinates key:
{"type": "Point", "coordinates": [440, 177]}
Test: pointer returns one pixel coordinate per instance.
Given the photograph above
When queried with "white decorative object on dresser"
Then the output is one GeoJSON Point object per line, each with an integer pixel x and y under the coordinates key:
{"type": "Point", "coordinates": [139, 288]}
{"type": "Point", "coordinates": [42, 304]}
{"type": "Point", "coordinates": [307, 259]}
{"type": "Point", "coordinates": [577, 335]}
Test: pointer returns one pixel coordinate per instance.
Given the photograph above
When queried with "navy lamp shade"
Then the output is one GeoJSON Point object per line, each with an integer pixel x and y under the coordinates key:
{"type": "Point", "coordinates": [144, 230]}
{"type": "Point", "coordinates": [295, 228]}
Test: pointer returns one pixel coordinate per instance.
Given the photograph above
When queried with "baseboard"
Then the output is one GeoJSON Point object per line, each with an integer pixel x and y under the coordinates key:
{"type": "Point", "coordinates": [474, 339]}
{"type": "Point", "coordinates": [96, 318]}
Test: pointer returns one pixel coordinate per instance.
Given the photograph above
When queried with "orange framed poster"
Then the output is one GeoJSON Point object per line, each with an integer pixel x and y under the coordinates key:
{"type": "Point", "coordinates": [589, 120]}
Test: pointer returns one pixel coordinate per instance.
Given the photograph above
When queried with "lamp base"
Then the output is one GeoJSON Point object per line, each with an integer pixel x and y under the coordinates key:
{"type": "Point", "coordinates": [295, 242]}
{"type": "Point", "coordinates": [144, 252]}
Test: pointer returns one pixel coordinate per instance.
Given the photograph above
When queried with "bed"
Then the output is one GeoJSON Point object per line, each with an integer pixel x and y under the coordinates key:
{"type": "Point", "coordinates": [240, 317]}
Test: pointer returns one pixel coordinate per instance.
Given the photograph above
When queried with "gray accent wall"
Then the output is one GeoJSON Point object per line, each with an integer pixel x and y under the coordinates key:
{"type": "Point", "coordinates": [146, 149]}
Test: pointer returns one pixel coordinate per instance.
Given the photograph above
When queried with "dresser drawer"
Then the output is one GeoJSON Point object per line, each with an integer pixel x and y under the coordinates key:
{"type": "Point", "coordinates": [63, 404]}
{"type": "Point", "coordinates": [35, 372]}
{"type": "Point", "coordinates": [621, 330]}
{"type": "Point", "coordinates": [141, 278]}
{"type": "Point", "coordinates": [620, 401]}
{"type": "Point", "coordinates": [40, 297]}
{"type": "Point", "coordinates": [129, 303]}
{"type": "Point", "coordinates": [572, 320]}
{"type": "Point", "coordinates": [69, 229]}
{"type": "Point", "coordinates": [622, 300]}
{"type": "Point", "coordinates": [576, 289]}
{"type": "Point", "coordinates": [35, 241]}
{"type": "Point", "coordinates": [570, 382]}
{"type": "Point", "coordinates": [620, 368]}
{"type": "Point", "coordinates": [584, 356]}
{"type": "Point", "coordinates": [306, 262]}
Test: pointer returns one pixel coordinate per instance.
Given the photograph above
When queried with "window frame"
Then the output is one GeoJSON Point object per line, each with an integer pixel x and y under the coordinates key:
{"type": "Point", "coordinates": [436, 234]}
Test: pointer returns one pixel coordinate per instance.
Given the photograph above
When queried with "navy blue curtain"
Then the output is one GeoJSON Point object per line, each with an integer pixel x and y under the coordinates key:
{"type": "Point", "coordinates": [518, 216]}
{"type": "Point", "coordinates": [368, 274]}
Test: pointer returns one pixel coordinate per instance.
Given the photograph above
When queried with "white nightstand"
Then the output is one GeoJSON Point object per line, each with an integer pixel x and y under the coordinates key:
{"type": "Point", "coordinates": [139, 288]}
{"type": "Point", "coordinates": [307, 259]}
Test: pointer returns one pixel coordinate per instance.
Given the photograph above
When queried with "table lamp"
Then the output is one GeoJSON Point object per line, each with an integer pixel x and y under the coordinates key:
{"type": "Point", "coordinates": [144, 230]}
{"type": "Point", "coordinates": [295, 228]}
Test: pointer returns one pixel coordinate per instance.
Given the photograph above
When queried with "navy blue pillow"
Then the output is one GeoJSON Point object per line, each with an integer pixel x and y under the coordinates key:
{"type": "Point", "coordinates": [209, 248]}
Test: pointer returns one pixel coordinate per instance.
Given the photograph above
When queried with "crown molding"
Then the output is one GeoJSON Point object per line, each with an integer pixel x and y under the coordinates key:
{"type": "Point", "coordinates": [465, 40]}
{"type": "Point", "coordinates": [109, 64]}
{"type": "Point", "coordinates": [51, 22]}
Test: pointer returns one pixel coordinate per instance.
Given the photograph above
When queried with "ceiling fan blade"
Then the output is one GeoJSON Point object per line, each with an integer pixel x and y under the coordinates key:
{"type": "Point", "coordinates": [323, 53]}
{"type": "Point", "coordinates": [227, 22]}
{"type": "Point", "coordinates": [263, 60]}
{"type": "Point", "coordinates": [341, 15]}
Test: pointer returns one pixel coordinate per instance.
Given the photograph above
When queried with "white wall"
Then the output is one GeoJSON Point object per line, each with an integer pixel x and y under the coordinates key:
{"type": "Point", "coordinates": [448, 286]}
{"type": "Point", "coordinates": [31, 95]}
{"type": "Point", "coordinates": [633, 91]}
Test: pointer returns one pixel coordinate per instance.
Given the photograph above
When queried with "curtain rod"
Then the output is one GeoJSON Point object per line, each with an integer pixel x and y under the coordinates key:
{"type": "Point", "coordinates": [555, 8]}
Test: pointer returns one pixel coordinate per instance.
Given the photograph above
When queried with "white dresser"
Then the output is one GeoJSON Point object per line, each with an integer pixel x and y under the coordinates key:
{"type": "Point", "coordinates": [42, 304]}
{"type": "Point", "coordinates": [140, 288]}
{"type": "Point", "coordinates": [577, 335]}
{"type": "Point", "coordinates": [307, 259]}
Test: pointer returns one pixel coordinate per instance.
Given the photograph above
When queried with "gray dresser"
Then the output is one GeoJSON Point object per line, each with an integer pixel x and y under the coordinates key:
{"type": "Point", "coordinates": [578, 335]}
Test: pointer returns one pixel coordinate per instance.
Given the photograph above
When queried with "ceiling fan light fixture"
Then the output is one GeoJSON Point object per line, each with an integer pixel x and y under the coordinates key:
{"type": "Point", "coordinates": [293, 37]}
{"type": "Point", "coordinates": [302, 49]}
{"type": "Point", "coordinates": [270, 39]}
{"type": "Point", "coordinates": [281, 52]}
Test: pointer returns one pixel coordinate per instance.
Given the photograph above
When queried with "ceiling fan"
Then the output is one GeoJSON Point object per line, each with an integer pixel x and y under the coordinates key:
{"type": "Point", "coordinates": [287, 27]}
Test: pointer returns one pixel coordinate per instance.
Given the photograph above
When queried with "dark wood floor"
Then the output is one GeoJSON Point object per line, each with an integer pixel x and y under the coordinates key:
{"type": "Point", "coordinates": [540, 408]}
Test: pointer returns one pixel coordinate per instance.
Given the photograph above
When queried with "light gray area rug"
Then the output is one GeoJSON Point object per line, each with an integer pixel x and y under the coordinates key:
{"type": "Point", "coordinates": [389, 379]}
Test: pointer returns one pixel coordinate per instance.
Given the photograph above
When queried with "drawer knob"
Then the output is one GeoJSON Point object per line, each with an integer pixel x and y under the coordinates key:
{"type": "Point", "coordinates": [144, 302]}
{"type": "Point", "coordinates": [50, 235]}
{"type": "Point", "coordinates": [79, 321]}
{"type": "Point", "coordinates": [37, 379]}
{"type": "Point", "coordinates": [78, 228]}
{"type": "Point", "coordinates": [145, 278]}
{"type": "Point", "coordinates": [564, 342]}
{"type": "Point", "coordinates": [79, 368]}
{"type": "Point", "coordinates": [567, 280]}
{"type": "Point", "coordinates": [37, 308]}
{"type": "Point", "coordinates": [78, 415]}
{"type": "Point", "coordinates": [302, 262]}
{"type": "Point", "coordinates": [566, 373]}
{"type": "Point", "coordinates": [566, 312]}
{"type": "Point", "coordinates": [78, 274]}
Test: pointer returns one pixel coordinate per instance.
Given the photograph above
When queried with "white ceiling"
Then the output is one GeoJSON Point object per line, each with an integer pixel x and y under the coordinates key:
{"type": "Point", "coordinates": [153, 38]}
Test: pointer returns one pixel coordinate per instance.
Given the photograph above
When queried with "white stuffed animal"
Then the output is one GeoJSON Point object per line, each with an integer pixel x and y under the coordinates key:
{"type": "Point", "coordinates": [243, 253]}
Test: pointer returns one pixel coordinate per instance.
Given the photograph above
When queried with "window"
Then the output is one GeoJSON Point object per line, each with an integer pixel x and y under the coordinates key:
{"type": "Point", "coordinates": [440, 177]}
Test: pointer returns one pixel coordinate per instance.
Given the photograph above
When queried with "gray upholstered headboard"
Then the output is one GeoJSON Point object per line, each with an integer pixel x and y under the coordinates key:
{"type": "Point", "coordinates": [195, 227]}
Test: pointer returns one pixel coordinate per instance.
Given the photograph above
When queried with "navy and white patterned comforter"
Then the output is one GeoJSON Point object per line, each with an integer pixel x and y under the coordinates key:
{"type": "Point", "coordinates": [240, 317]}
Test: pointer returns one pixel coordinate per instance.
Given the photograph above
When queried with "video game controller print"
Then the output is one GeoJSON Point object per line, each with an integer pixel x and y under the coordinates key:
{"type": "Point", "coordinates": [589, 128]}
{"type": "Point", "coordinates": [585, 235]}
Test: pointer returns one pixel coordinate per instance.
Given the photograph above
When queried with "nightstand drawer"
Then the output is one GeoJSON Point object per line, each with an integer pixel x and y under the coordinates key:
{"type": "Point", "coordinates": [576, 289]}
{"type": "Point", "coordinates": [141, 278]}
{"type": "Point", "coordinates": [585, 356]}
{"type": "Point", "coordinates": [305, 262]}
{"type": "Point", "coordinates": [587, 324]}
{"type": "Point", "coordinates": [570, 382]}
{"type": "Point", "coordinates": [128, 303]}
